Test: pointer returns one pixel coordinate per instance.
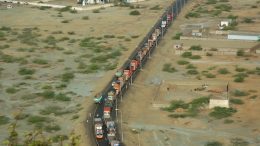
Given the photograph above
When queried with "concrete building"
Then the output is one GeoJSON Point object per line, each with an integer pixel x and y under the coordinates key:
{"type": "Point", "coordinates": [249, 36]}
{"type": "Point", "coordinates": [224, 23]}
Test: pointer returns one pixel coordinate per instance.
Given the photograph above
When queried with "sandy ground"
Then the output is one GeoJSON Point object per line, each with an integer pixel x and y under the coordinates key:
{"type": "Point", "coordinates": [110, 21]}
{"type": "Point", "coordinates": [141, 105]}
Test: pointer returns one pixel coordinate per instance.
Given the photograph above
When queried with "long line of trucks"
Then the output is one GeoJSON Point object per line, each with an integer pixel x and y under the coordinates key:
{"type": "Point", "coordinates": [122, 77]}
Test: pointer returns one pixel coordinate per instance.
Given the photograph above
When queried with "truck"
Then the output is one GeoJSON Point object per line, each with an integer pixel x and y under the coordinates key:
{"type": "Point", "coordinates": [98, 98]}
{"type": "Point", "coordinates": [111, 130]}
{"type": "Point", "coordinates": [115, 143]}
{"type": "Point", "coordinates": [108, 103]}
{"type": "Point", "coordinates": [98, 128]}
{"type": "Point", "coordinates": [106, 113]}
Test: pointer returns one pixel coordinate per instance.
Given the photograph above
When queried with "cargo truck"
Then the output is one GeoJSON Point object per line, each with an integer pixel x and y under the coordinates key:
{"type": "Point", "coordinates": [98, 128]}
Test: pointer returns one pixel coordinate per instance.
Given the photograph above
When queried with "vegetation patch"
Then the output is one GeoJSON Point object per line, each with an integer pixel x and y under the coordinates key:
{"type": "Point", "coordinates": [26, 71]}
{"type": "Point", "coordinates": [222, 112]}
{"type": "Point", "coordinates": [62, 97]}
{"type": "Point", "coordinates": [192, 72]}
{"type": "Point", "coordinates": [195, 57]}
{"type": "Point", "coordinates": [223, 71]}
{"type": "Point", "coordinates": [186, 54]}
{"type": "Point", "coordinates": [213, 143]}
{"type": "Point", "coordinates": [37, 119]}
{"type": "Point", "coordinates": [196, 48]}
{"type": "Point", "coordinates": [51, 128]}
{"type": "Point", "coordinates": [240, 52]}
{"type": "Point", "coordinates": [135, 12]}
{"type": "Point", "coordinates": [239, 93]}
{"type": "Point", "coordinates": [48, 94]}
{"type": "Point", "coordinates": [191, 108]}
{"type": "Point", "coordinates": [210, 75]}
{"type": "Point", "coordinates": [236, 101]}
{"type": "Point", "coordinates": [168, 68]}
{"type": "Point", "coordinates": [66, 77]}
{"type": "Point", "coordinates": [183, 62]}
{"type": "Point", "coordinates": [11, 90]}
{"type": "Point", "coordinates": [177, 36]}
{"type": "Point", "coordinates": [224, 7]}
{"type": "Point", "coordinates": [239, 142]}
{"type": "Point", "coordinates": [190, 66]}
{"type": "Point", "coordinates": [85, 17]}
{"type": "Point", "coordinates": [40, 61]}
{"type": "Point", "coordinates": [192, 15]}
{"type": "Point", "coordinates": [96, 11]}
{"type": "Point", "coordinates": [228, 121]}
{"type": "Point", "coordinates": [4, 120]}
{"type": "Point", "coordinates": [157, 7]}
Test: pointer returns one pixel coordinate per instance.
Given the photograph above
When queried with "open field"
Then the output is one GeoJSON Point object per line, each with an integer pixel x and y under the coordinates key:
{"type": "Point", "coordinates": [53, 62]}
{"type": "Point", "coordinates": [168, 82]}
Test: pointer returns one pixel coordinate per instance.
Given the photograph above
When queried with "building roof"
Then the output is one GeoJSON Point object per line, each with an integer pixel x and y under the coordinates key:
{"type": "Point", "coordinates": [244, 33]}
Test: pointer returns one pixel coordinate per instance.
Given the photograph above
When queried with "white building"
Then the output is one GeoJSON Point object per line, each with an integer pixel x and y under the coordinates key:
{"type": "Point", "coordinates": [225, 23]}
{"type": "Point", "coordinates": [249, 36]}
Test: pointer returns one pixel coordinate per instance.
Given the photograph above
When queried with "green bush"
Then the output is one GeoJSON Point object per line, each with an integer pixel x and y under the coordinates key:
{"type": "Point", "coordinates": [183, 62]}
{"type": "Point", "coordinates": [248, 20]}
{"type": "Point", "coordinates": [40, 61]}
{"type": "Point", "coordinates": [239, 142]}
{"type": "Point", "coordinates": [168, 68]}
{"type": "Point", "coordinates": [66, 77]}
{"type": "Point", "coordinates": [240, 52]}
{"type": "Point", "coordinates": [62, 97]}
{"type": "Point", "coordinates": [223, 0]}
{"type": "Point", "coordinates": [192, 72]}
{"type": "Point", "coordinates": [4, 120]}
{"type": "Point", "coordinates": [228, 121]}
{"type": "Point", "coordinates": [11, 90]}
{"type": "Point", "coordinates": [109, 36]}
{"type": "Point", "coordinates": [211, 2]}
{"type": "Point", "coordinates": [177, 36]}
{"type": "Point", "coordinates": [236, 101]}
{"type": "Point", "coordinates": [186, 54]}
{"type": "Point", "coordinates": [73, 11]}
{"type": "Point", "coordinates": [96, 11]}
{"type": "Point", "coordinates": [157, 7]}
{"type": "Point", "coordinates": [239, 79]}
{"type": "Point", "coordinates": [37, 119]}
{"type": "Point", "coordinates": [253, 97]}
{"type": "Point", "coordinates": [196, 47]}
{"type": "Point", "coordinates": [213, 143]}
{"type": "Point", "coordinates": [175, 104]}
{"type": "Point", "coordinates": [65, 21]}
{"type": "Point", "coordinates": [223, 71]}
{"type": "Point", "coordinates": [240, 69]}
{"type": "Point", "coordinates": [44, 7]}
{"type": "Point", "coordinates": [134, 12]}
{"type": "Point", "coordinates": [210, 75]}
{"type": "Point", "coordinates": [51, 128]}
{"type": "Point", "coordinates": [58, 138]}
{"type": "Point", "coordinates": [85, 17]}
{"type": "Point", "coordinates": [51, 109]}
{"type": "Point", "coordinates": [192, 15]}
{"type": "Point", "coordinates": [239, 93]}
{"type": "Point", "coordinates": [26, 71]}
{"type": "Point", "coordinates": [195, 57]}
{"type": "Point", "coordinates": [224, 7]}
{"type": "Point", "coordinates": [48, 94]}
{"type": "Point", "coordinates": [4, 28]}
{"type": "Point", "coordinates": [190, 66]}
{"type": "Point", "coordinates": [222, 112]}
